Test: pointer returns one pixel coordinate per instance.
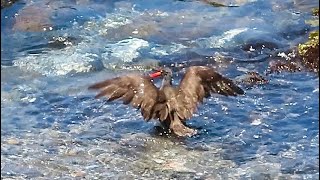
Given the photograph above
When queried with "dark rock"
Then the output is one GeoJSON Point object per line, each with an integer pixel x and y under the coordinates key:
{"type": "Point", "coordinates": [278, 66]}
{"type": "Point", "coordinates": [62, 42]}
{"type": "Point", "coordinates": [251, 78]}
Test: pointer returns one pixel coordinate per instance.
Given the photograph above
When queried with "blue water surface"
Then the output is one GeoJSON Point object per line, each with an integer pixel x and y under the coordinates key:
{"type": "Point", "coordinates": [52, 127]}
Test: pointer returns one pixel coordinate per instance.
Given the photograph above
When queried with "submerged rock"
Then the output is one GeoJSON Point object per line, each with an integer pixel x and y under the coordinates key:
{"type": "Point", "coordinates": [13, 141]}
{"type": "Point", "coordinates": [304, 5]}
{"type": "Point", "coordinates": [218, 4]}
{"type": "Point", "coordinates": [225, 3]}
{"type": "Point", "coordinates": [33, 18]}
{"type": "Point", "coordinates": [7, 3]}
{"type": "Point", "coordinates": [78, 173]}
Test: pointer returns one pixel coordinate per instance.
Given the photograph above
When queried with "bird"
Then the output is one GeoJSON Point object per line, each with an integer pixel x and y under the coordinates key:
{"type": "Point", "coordinates": [171, 105]}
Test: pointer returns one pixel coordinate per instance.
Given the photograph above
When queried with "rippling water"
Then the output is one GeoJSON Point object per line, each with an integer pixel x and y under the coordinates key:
{"type": "Point", "coordinates": [52, 127]}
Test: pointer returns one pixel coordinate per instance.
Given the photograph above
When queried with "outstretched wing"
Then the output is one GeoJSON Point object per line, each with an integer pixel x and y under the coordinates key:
{"type": "Point", "coordinates": [136, 90]}
{"type": "Point", "coordinates": [199, 82]}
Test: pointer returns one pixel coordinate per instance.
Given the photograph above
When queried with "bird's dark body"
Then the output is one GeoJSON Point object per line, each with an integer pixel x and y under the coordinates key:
{"type": "Point", "coordinates": [172, 106]}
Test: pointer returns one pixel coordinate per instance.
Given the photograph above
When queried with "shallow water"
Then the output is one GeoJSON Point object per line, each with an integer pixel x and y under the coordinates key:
{"type": "Point", "coordinates": [52, 127]}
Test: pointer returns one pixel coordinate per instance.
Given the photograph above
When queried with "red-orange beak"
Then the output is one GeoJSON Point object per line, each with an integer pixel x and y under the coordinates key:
{"type": "Point", "coordinates": [155, 75]}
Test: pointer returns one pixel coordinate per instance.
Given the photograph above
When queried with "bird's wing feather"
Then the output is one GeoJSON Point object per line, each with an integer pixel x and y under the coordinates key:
{"type": "Point", "coordinates": [199, 82]}
{"type": "Point", "coordinates": [136, 90]}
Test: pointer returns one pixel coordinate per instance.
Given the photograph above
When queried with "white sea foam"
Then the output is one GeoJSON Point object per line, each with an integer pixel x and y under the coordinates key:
{"type": "Point", "coordinates": [125, 50]}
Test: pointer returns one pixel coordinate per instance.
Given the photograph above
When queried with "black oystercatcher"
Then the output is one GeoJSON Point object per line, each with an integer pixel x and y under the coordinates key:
{"type": "Point", "coordinates": [172, 106]}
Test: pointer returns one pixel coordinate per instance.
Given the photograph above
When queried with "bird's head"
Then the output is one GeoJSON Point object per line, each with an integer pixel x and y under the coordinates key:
{"type": "Point", "coordinates": [162, 72]}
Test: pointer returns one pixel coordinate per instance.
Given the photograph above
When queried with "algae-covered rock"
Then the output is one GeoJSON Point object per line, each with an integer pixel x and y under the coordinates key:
{"type": "Point", "coordinates": [309, 51]}
{"type": "Point", "coordinates": [315, 11]}
{"type": "Point", "coordinates": [314, 22]}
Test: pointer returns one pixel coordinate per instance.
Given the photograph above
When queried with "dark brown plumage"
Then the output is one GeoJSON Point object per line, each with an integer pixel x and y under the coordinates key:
{"type": "Point", "coordinates": [172, 106]}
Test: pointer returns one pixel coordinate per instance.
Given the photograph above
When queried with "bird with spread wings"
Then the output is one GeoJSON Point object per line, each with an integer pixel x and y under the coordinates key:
{"type": "Point", "coordinates": [171, 105]}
